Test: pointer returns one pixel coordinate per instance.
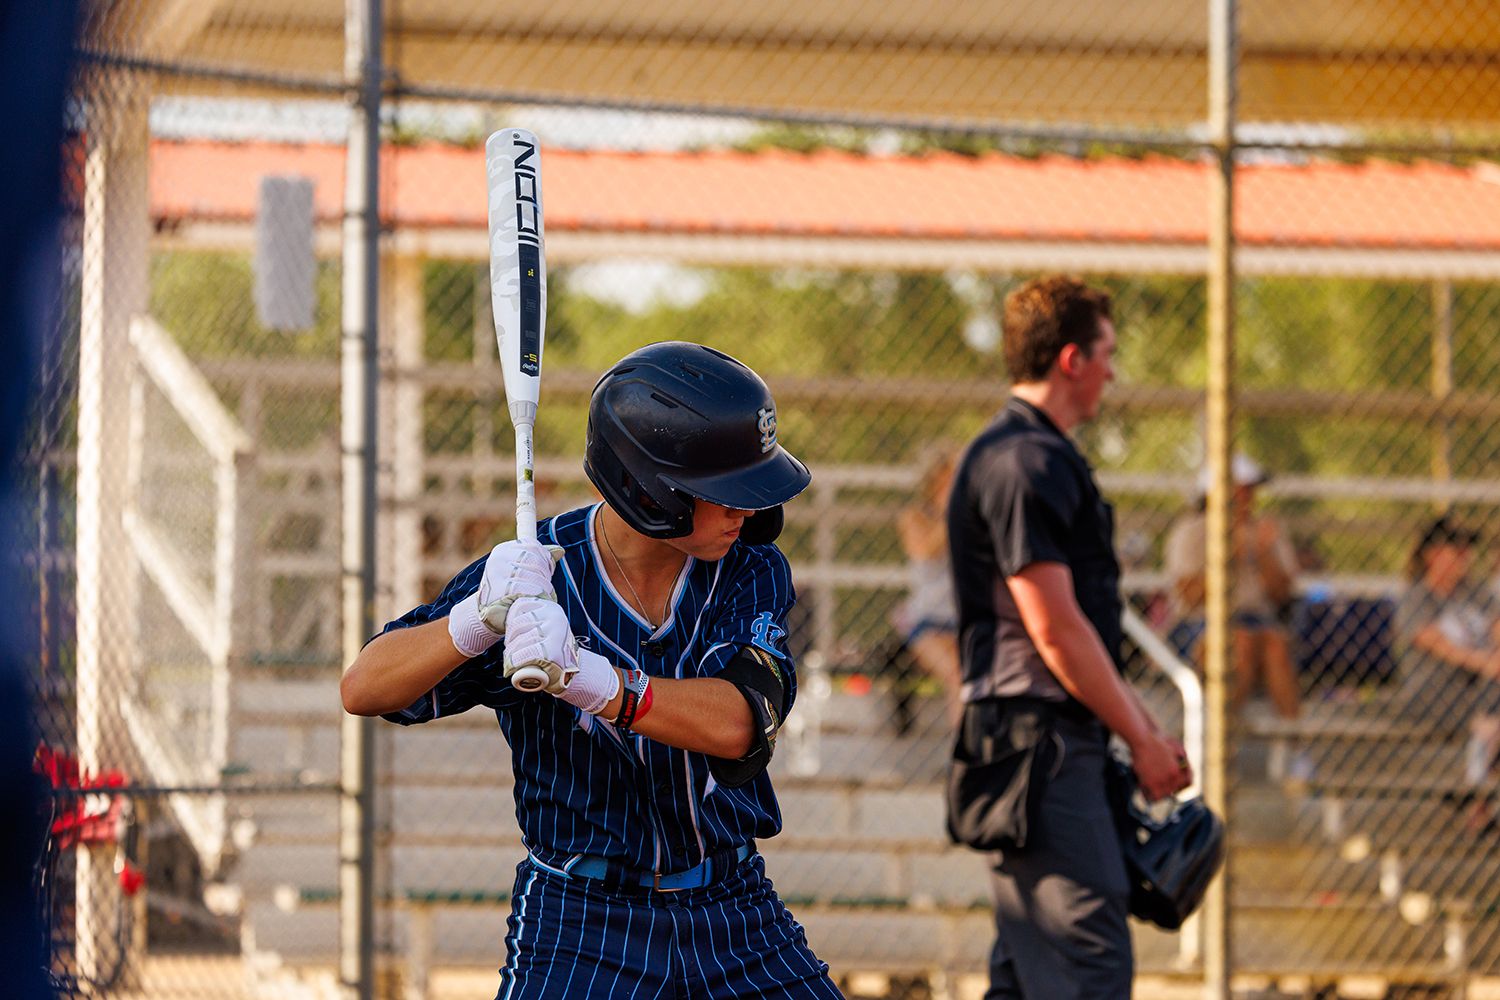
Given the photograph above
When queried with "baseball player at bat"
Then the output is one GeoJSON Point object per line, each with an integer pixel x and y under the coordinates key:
{"type": "Point", "coordinates": [640, 770]}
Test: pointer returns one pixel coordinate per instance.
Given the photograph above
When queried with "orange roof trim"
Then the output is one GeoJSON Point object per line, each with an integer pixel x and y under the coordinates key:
{"type": "Point", "coordinates": [938, 197]}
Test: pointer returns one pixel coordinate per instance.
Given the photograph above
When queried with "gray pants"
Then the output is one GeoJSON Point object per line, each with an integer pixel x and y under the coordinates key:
{"type": "Point", "coordinates": [1061, 905]}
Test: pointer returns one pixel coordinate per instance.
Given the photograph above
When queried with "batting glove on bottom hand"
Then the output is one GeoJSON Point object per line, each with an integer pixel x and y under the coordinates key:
{"type": "Point", "coordinates": [512, 570]}
{"type": "Point", "coordinates": [537, 635]}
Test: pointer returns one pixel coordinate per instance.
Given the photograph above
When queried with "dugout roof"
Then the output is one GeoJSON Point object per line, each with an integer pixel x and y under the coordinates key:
{"type": "Point", "coordinates": [1139, 63]}
{"type": "Point", "coordinates": [838, 209]}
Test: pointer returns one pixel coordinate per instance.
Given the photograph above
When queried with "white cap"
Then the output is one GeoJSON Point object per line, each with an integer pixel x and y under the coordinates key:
{"type": "Point", "coordinates": [1243, 470]}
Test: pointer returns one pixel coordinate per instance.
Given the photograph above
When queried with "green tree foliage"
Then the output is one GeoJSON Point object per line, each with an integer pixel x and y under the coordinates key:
{"type": "Point", "coordinates": [874, 368]}
{"type": "Point", "coordinates": [806, 138]}
{"type": "Point", "coordinates": [207, 301]}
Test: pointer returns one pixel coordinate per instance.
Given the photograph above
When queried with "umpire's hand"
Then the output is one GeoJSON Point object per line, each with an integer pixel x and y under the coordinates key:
{"type": "Point", "coordinates": [1161, 766]}
{"type": "Point", "coordinates": [512, 570]}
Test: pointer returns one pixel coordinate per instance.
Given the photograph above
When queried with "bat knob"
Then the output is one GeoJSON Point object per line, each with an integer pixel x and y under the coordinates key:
{"type": "Point", "coordinates": [529, 679]}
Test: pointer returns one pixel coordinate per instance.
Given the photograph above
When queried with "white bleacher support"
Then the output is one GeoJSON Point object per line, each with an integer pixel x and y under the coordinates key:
{"type": "Point", "coordinates": [116, 252]}
{"type": "Point", "coordinates": [418, 952]}
{"type": "Point", "coordinates": [405, 330]}
{"type": "Point", "coordinates": [212, 616]}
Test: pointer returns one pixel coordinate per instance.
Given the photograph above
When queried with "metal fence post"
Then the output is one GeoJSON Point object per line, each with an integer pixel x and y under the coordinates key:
{"type": "Point", "coordinates": [1222, 56]}
{"type": "Point", "coordinates": [361, 372]}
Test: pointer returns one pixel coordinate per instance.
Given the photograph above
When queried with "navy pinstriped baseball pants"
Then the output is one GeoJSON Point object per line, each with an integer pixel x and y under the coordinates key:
{"type": "Point", "coordinates": [570, 937]}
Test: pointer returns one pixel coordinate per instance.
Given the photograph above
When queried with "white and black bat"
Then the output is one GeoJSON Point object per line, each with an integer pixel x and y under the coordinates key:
{"type": "Point", "coordinates": [518, 295]}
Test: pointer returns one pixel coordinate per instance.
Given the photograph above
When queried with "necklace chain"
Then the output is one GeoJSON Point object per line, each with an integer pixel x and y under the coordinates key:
{"type": "Point", "coordinates": [626, 577]}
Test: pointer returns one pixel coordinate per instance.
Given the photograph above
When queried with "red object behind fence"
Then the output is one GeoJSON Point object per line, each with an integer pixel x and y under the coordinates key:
{"type": "Point", "coordinates": [93, 815]}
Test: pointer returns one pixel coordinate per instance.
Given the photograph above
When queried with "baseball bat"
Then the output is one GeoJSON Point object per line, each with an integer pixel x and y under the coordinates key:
{"type": "Point", "coordinates": [518, 296]}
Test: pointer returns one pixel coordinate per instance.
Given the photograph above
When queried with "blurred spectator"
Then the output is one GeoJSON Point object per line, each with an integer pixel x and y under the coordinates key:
{"type": "Point", "coordinates": [1448, 632]}
{"type": "Point", "coordinates": [1265, 573]}
{"type": "Point", "coordinates": [928, 619]}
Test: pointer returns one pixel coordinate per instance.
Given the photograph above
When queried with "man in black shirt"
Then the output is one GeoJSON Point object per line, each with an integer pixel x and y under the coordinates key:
{"type": "Point", "coordinates": [1032, 545]}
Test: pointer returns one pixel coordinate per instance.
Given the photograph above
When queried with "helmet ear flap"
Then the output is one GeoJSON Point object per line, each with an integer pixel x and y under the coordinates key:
{"type": "Point", "coordinates": [764, 526]}
{"type": "Point", "coordinates": [670, 514]}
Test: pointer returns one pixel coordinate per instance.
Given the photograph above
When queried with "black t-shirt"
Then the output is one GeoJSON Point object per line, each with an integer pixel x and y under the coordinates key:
{"type": "Point", "coordinates": [1024, 494]}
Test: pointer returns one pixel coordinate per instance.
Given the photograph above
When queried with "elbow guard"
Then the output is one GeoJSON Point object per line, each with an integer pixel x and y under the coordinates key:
{"type": "Point", "coordinates": [763, 681]}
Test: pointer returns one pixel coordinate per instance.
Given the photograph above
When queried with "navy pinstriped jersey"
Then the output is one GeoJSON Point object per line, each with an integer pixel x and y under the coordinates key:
{"type": "Point", "coordinates": [581, 786]}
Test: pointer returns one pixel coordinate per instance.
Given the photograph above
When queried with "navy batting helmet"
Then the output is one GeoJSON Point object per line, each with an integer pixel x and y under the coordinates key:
{"type": "Point", "coordinates": [1169, 861]}
{"type": "Point", "coordinates": [675, 421]}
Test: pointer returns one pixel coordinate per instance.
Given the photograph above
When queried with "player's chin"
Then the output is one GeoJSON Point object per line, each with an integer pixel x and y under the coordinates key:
{"type": "Point", "coordinates": [717, 549]}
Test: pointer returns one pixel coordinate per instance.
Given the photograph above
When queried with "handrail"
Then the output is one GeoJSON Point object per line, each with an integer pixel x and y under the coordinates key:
{"type": "Point", "coordinates": [192, 605]}
{"type": "Point", "coordinates": [212, 616]}
{"type": "Point", "coordinates": [1160, 655]}
{"type": "Point", "coordinates": [209, 618]}
{"type": "Point", "coordinates": [188, 391]}
{"type": "Point", "coordinates": [1194, 741]}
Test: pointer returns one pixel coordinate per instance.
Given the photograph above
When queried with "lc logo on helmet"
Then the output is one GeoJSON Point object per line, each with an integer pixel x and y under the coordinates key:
{"type": "Point", "coordinates": [766, 421]}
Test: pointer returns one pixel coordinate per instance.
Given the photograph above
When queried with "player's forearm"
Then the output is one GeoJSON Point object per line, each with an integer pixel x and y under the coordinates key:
{"type": "Point", "coordinates": [1073, 651]}
{"type": "Point", "coordinates": [397, 668]}
{"type": "Point", "coordinates": [702, 714]}
{"type": "Point", "coordinates": [1079, 661]}
{"type": "Point", "coordinates": [1140, 705]}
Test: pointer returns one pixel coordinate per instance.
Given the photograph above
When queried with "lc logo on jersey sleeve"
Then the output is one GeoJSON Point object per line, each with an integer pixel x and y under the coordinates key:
{"type": "Point", "coordinates": [765, 634]}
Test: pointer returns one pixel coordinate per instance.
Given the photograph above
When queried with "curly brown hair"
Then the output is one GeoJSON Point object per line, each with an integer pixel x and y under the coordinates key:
{"type": "Point", "coordinates": [1045, 315]}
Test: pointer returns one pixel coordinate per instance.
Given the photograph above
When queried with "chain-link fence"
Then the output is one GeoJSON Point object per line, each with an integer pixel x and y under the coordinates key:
{"type": "Point", "coordinates": [840, 195]}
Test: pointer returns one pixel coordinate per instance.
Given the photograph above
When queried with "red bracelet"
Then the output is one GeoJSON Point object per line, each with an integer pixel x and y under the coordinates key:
{"type": "Point", "coordinates": [645, 705]}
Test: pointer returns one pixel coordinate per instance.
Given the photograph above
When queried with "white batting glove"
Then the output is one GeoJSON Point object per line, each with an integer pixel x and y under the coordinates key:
{"type": "Point", "coordinates": [512, 570]}
{"type": "Point", "coordinates": [537, 634]}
